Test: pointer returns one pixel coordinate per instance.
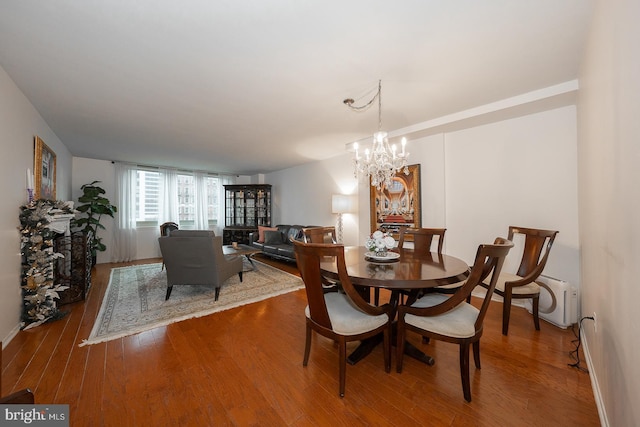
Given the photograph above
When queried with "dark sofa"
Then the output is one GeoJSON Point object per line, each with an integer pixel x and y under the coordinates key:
{"type": "Point", "coordinates": [277, 243]}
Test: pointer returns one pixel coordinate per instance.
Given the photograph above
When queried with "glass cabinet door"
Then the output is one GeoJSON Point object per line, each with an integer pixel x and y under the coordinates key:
{"type": "Point", "coordinates": [247, 206]}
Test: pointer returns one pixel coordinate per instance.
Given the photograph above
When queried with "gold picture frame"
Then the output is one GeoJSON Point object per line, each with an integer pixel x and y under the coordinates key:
{"type": "Point", "coordinates": [44, 167]}
{"type": "Point", "coordinates": [399, 206]}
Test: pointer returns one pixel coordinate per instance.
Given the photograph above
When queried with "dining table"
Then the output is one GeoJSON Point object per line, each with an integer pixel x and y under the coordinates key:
{"type": "Point", "coordinates": [403, 271]}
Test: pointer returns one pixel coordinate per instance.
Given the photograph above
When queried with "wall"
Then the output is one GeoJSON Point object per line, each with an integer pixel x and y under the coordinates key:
{"type": "Point", "coordinates": [474, 182]}
{"type": "Point", "coordinates": [609, 178]}
{"type": "Point", "coordinates": [85, 171]}
{"type": "Point", "coordinates": [19, 123]}
{"type": "Point", "coordinates": [520, 172]}
{"type": "Point", "coordinates": [302, 195]}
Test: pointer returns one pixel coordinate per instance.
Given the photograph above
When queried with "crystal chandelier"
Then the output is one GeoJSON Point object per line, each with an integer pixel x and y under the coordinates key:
{"type": "Point", "coordinates": [383, 161]}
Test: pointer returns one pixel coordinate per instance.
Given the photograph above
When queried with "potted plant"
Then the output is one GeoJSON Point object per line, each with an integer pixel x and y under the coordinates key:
{"type": "Point", "coordinates": [93, 205]}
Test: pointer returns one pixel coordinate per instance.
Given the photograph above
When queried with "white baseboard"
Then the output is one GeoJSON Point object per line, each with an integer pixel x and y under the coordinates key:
{"type": "Point", "coordinates": [6, 340]}
{"type": "Point", "coordinates": [604, 421]}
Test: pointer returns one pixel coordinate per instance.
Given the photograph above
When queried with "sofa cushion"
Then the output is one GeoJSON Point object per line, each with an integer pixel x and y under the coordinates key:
{"type": "Point", "coordinates": [272, 237]}
{"type": "Point", "coordinates": [286, 251]}
{"type": "Point", "coordinates": [261, 230]}
{"type": "Point", "coordinates": [291, 232]}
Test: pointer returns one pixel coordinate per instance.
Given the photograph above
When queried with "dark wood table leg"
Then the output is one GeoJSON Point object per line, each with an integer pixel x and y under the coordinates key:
{"type": "Point", "coordinates": [367, 345]}
{"type": "Point", "coordinates": [413, 351]}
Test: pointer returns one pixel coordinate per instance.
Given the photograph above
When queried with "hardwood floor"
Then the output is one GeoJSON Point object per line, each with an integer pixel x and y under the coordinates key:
{"type": "Point", "coordinates": [244, 367]}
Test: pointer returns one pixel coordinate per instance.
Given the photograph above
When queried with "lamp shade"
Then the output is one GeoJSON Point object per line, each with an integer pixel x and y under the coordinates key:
{"type": "Point", "coordinates": [341, 203]}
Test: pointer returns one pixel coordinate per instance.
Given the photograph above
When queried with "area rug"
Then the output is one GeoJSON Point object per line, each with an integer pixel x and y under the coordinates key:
{"type": "Point", "coordinates": [135, 298]}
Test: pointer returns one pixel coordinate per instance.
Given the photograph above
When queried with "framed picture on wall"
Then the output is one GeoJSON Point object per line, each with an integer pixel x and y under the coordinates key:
{"type": "Point", "coordinates": [399, 205]}
{"type": "Point", "coordinates": [44, 168]}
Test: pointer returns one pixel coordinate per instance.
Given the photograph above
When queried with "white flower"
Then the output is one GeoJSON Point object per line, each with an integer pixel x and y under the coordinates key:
{"type": "Point", "coordinates": [380, 242]}
{"type": "Point", "coordinates": [389, 242]}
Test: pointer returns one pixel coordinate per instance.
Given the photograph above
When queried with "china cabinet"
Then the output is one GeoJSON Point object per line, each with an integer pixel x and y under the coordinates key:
{"type": "Point", "coordinates": [246, 208]}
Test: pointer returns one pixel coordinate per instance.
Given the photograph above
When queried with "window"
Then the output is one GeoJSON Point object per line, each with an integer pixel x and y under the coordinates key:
{"type": "Point", "coordinates": [149, 198]}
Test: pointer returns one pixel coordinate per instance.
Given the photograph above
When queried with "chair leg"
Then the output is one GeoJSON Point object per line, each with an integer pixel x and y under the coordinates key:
{"type": "Point", "coordinates": [342, 350]}
{"type": "Point", "coordinates": [464, 371]}
{"type": "Point", "coordinates": [169, 288]}
{"type": "Point", "coordinates": [307, 345]}
{"type": "Point", "coordinates": [506, 312]}
{"type": "Point", "coordinates": [536, 318]}
{"type": "Point", "coordinates": [400, 336]}
{"type": "Point", "coordinates": [240, 276]}
{"type": "Point", "coordinates": [476, 353]}
{"type": "Point", "coordinates": [386, 342]}
{"type": "Point", "coordinates": [217, 293]}
{"type": "Point", "coordinates": [376, 296]}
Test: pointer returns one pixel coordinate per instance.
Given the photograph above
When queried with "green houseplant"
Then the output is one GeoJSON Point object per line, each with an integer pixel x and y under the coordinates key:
{"type": "Point", "coordinates": [93, 205]}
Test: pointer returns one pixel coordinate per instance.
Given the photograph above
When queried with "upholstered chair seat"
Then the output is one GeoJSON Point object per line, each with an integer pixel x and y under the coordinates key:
{"type": "Point", "coordinates": [347, 319]}
{"type": "Point", "coordinates": [529, 288]}
{"type": "Point", "coordinates": [459, 322]}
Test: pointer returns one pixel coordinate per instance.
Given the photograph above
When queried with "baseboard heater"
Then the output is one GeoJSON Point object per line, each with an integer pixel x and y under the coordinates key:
{"type": "Point", "coordinates": [558, 302]}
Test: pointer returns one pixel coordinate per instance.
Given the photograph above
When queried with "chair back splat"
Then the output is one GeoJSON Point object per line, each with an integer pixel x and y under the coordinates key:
{"type": "Point", "coordinates": [319, 235]}
{"type": "Point", "coordinates": [422, 238]}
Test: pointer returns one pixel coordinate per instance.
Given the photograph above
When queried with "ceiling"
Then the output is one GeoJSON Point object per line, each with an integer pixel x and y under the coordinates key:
{"type": "Point", "coordinates": [256, 86]}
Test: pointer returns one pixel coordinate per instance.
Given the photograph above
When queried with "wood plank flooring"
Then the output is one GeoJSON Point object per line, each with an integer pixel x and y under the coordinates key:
{"type": "Point", "coordinates": [243, 367]}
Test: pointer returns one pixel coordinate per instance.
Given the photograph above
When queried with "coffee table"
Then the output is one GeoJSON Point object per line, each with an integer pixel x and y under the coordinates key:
{"type": "Point", "coordinates": [242, 250]}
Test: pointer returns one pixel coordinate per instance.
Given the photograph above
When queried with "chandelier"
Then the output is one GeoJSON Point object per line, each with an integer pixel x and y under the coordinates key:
{"type": "Point", "coordinates": [383, 161]}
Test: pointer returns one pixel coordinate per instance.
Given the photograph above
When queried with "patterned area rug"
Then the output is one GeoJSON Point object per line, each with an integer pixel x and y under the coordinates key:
{"type": "Point", "coordinates": [135, 298]}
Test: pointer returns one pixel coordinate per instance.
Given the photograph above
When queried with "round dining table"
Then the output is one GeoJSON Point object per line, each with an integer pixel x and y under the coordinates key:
{"type": "Point", "coordinates": [403, 269]}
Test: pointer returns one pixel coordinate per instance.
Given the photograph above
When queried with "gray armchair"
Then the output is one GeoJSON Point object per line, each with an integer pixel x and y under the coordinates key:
{"type": "Point", "coordinates": [196, 258]}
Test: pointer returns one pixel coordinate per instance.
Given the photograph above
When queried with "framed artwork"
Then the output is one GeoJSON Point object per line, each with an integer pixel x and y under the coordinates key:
{"type": "Point", "coordinates": [398, 206]}
{"type": "Point", "coordinates": [44, 168]}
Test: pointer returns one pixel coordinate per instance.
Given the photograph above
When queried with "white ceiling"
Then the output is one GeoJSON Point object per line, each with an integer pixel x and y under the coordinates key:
{"type": "Point", "coordinates": [257, 85]}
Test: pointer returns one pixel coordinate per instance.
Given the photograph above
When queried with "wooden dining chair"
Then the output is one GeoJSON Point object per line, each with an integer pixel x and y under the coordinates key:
{"type": "Point", "coordinates": [422, 239]}
{"type": "Point", "coordinates": [451, 318]}
{"type": "Point", "coordinates": [340, 316]}
{"type": "Point", "coordinates": [522, 285]}
{"type": "Point", "coordinates": [319, 235]}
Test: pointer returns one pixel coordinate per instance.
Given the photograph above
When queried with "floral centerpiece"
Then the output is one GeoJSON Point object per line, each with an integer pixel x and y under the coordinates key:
{"type": "Point", "coordinates": [39, 290]}
{"type": "Point", "coordinates": [380, 243]}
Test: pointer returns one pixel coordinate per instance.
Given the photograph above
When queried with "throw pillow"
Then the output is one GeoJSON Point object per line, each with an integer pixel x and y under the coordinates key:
{"type": "Point", "coordinates": [272, 237]}
{"type": "Point", "coordinates": [261, 231]}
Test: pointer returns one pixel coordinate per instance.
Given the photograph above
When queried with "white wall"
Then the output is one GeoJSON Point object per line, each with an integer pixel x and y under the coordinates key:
{"type": "Point", "coordinates": [519, 172]}
{"type": "Point", "coordinates": [609, 178]}
{"type": "Point", "coordinates": [302, 195]}
{"type": "Point", "coordinates": [86, 171]}
{"type": "Point", "coordinates": [476, 182]}
{"type": "Point", "coordinates": [19, 123]}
